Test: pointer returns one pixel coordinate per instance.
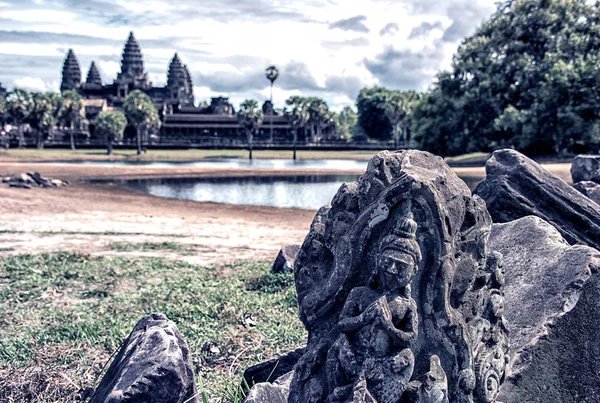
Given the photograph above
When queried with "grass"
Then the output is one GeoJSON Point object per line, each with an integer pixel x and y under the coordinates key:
{"type": "Point", "coordinates": [150, 246]}
{"type": "Point", "coordinates": [63, 315]}
{"type": "Point", "coordinates": [33, 155]}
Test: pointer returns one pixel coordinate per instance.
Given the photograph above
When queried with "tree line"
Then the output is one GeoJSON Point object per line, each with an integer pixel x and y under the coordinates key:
{"type": "Point", "coordinates": [528, 79]}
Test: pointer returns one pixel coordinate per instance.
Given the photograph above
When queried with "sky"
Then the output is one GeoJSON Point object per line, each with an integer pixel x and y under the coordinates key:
{"type": "Point", "coordinates": [325, 48]}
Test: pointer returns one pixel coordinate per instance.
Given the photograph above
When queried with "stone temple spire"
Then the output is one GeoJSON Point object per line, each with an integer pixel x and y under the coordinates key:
{"type": "Point", "coordinates": [93, 76]}
{"type": "Point", "coordinates": [190, 85]}
{"type": "Point", "coordinates": [71, 73]}
{"type": "Point", "coordinates": [179, 81]}
{"type": "Point", "coordinates": [176, 75]}
{"type": "Point", "coordinates": [132, 63]}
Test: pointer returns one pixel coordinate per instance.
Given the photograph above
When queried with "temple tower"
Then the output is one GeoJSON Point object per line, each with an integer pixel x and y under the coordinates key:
{"type": "Point", "coordinates": [132, 76]}
{"type": "Point", "coordinates": [188, 78]}
{"type": "Point", "coordinates": [71, 73]}
{"type": "Point", "coordinates": [179, 82]}
{"type": "Point", "coordinates": [93, 76]}
{"type": "Point", "coordinates": [132, 62]}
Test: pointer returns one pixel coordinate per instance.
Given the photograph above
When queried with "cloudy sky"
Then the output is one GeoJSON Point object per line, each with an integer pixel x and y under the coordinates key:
{"type": "Point", "coordinates": [325, 48]}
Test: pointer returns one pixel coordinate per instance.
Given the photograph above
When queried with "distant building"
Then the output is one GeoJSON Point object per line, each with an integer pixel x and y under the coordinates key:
{"type": "Point", "coordinates": [182, 122]}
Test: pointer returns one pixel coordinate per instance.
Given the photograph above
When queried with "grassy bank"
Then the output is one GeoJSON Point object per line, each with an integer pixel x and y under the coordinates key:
{"type": "Point", "coordinates": [32, 155]}
{"type": "Point", "coordinates": [63, 315]}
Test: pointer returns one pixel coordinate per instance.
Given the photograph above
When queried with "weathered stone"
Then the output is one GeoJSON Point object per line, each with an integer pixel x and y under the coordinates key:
{"type": "Point", "coordinates": [152, 366]}
{"type": "Point", "coordinates": [552, 301]}
{"type": "Point", "coordinates": [273, 369]}
{"type": "Point", "coordinates": [589, 189]}
{"type": "Point", "coordinates": [39, 179]}
{"type": "Point", "coordinates": [400, 295]}
{"type": "Point", "coordinates": [516, 186]}
{"type": "Point", "coordinates": [586, 168]}
{"type": "Point", "coordinates": [285, 259]}
{"type": "Point", "coordinates": [276, 392]}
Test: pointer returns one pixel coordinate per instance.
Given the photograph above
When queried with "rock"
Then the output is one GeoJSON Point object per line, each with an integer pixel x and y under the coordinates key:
{"type": "Point", "coordinates": [399, 292]}
{"type": "Point", "coordinates": [516, 186]}
{"type": "Point", "coordinates": [39, 179]}
{"type": "Point", "coordinates": [153, 366]}
{"type": "Point", "coordinates": [552, 301]}
{"type": "Point", "coordinates": [586, 168]}
{"type": "Point", "coordinates": [284, 263]}
{"type": "Point", "coordinates": [24, 178]}
{"type": "Point", "coordinates": [273, 369]}
{"type": "Point", "coordinates": [589, 189]}
{"type": "Point", "coordinates": [19, 185]}
{"type": "Point", "coordinates": [276, 392]}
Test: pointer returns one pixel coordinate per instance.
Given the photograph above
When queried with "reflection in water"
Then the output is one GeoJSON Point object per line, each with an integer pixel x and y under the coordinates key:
{"type": "Point", "coordinates": [339, 164]}
{"type": "Point", "coordinates": [302, 191]}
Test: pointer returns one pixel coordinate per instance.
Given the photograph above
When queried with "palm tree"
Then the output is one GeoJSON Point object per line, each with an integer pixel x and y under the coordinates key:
{"type": "Point", "coordinates": [250, 117]}
{"type": "Point", "coordinates": [18, 107]}
{"type": "Point", "coordinates": [142, 114]}
{"type": "Point", "coordinates": [297, 115]}
{"type": "Point", "coordinates": [70, 111]}
{"type": "Point", "coordinates": [271, 73]}
{"type": "Point", "coordinates": [44, 114]}
{"type": "Point", "coordinates": [111, 126]}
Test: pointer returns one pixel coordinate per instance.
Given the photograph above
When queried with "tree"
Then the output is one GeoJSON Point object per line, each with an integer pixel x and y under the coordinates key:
{"type": "Point", "coordinates": [318, 116]}
{"type": "Point", "coordinates": [110, 125]}
{"type": "Point", "coordinates": [250, 117]}
{"type": "Point", "coordinates": [372, 118]}
{"type": "Point", "coordinates": [527, 79]}
{"type": "Point", "coordinates": [297, 115]}
{"type": "Point", "coordinates": [70, 112]}
{"type": "Point", "coordinates": [347, 125]}
{"type": "Point", "coordinates": [271, 73]}
{"type": "Point", "coordinates": [18, 107]}
{"type": "Point", "coordinates": [398, 106]}
{"type": "Point", "coordinates": [43, 114]}
{"type": "Point", "coordinates": [141, 114]}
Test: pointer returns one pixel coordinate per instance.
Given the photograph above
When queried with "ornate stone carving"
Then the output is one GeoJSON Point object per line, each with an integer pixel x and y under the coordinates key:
{"type": "Point", "coordinates": [401, 297]}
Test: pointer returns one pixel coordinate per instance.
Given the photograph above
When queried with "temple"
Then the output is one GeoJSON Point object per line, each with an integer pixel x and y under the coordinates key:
{"type": "Point", "coordinates": [182, 122]}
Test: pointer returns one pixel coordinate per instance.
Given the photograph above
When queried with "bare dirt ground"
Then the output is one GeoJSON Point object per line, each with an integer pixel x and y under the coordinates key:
{"type": "Point", "coordinates": [90, 218]}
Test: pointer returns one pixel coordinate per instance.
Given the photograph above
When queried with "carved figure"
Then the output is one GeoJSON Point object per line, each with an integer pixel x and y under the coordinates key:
{"type": "Point", "coordinates": [402, 300]}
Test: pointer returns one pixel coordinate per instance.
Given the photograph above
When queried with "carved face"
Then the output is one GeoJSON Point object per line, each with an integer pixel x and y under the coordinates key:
{"type": "Point", "coordinates": [396, 268]}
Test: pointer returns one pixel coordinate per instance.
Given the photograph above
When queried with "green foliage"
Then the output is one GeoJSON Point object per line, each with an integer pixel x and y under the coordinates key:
{"type": "Point", "coordinates": [71, 107]}
{"type": "Point", "coordinates": [140, 111]}
{"type": "Point", "coordinates": [383, 112]}
{"type": "Point", "coordinates": [111, 125]}
{"type": "Point", "coordinates": [297, 111]}
{"type": "Point", "coordinates": [272, 73]}
{"type": "Point", "coordinates": [249, 115]}
{"type": "Point", "coordinates": [527, 79]}
{"type": "Point", "coordinates": [347, 125]}
{"type": "Point", "coordinates": [18, 106]}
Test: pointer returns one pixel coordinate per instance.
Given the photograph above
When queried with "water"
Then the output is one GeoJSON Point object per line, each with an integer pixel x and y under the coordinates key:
{"type": "Point", "coordinates": [334, 164]}
{"type": "Point", "coordinates": [308, 192]}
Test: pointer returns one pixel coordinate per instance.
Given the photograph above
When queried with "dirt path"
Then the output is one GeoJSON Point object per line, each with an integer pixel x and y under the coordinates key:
{"type": "Point", "coordinates": [92, 218]}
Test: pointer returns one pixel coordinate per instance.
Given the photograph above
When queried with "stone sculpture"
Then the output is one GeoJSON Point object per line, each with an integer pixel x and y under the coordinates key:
{"type": "Point", "coordinates": [153, 366]}
{"type": "Point", "coordinates": [284, 262]}
{"type": "Point", "coordinates": [516, 186]}
{"type": "Point", "coordinates": [401, 297]}
{"type": "Point", "coordinates": [586, 168]}
{"type": "Point", "coordinates": [552, 292]}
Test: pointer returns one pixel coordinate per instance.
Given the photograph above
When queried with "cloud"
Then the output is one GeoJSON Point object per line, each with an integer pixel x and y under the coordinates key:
{"type": "Point", "coordinates": [34, 84]}
{"type": "Point", "coordinates": [337, 45]}
{"type": "Point", "coordinates": [355, 24]}
{"type": "Point", "coordinates": [390, 29]}
{"type": "Point", "coordinates": [424, 29]}
{"type": "Point", "coordinates": [406, 69]}
{"type": "Point", "coordinates": [464, 21]}
{"type": "Point", "coordinates": [350, 86]}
